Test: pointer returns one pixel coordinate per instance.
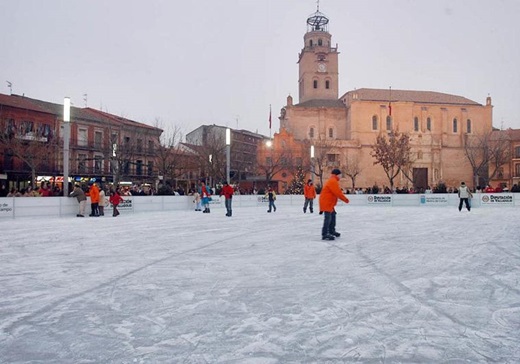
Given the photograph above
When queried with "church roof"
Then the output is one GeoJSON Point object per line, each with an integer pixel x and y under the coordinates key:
{"type": "Point", "coordinates": [321, 103]}
{"type": "Point", "coordinates": [423, 97]}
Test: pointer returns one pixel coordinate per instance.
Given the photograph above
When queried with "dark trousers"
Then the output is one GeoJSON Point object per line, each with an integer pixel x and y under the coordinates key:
{"type": "Point", "coordinates": [466, 201]}
{"type": "Point", "coordinates": [271, 205]}
{"type": "Point", "coordinates": [228, 206]}
{"type": "Point", "coordinates": [94, 208]}
{"type": "Point", "coordinates": [329, 223]}
{"type": "Point", "coordinates": [308, 202]}
{"type": "Point", "coordinates": [116, 211]}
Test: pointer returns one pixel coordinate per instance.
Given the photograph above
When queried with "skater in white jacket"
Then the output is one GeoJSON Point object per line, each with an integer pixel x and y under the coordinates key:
{"type": "Point", "coordinates": [464, 196]}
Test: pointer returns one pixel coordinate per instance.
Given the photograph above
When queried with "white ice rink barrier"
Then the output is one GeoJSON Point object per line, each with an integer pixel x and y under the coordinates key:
{"type": "Point", "coordinates": [18, 207]}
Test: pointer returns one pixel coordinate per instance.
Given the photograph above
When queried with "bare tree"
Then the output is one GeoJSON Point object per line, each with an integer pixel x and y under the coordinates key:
{"type": "Point", "coordinates": [36, 149]}
{"type": "Point", "coordinates": [352, 168]}
{"type": "Point", "coordinates": [321, 161]}
{"type": "Point", "coordinates": [171, 160]}
{"type": "Point", "coordinates": [275, 161]}
{"type": "Point", "coordinates": [485, 150]}
{"type": "Point", "coordinates": [393, 154]}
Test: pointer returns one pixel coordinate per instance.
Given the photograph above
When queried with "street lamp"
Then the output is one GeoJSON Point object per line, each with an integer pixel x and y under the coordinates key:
{"type": "Point", "coordinates": [312, 163]}
{"type": "Point", "coordinates": [228, 153]}
{"type": "Point", "coordinates": [66, 141]}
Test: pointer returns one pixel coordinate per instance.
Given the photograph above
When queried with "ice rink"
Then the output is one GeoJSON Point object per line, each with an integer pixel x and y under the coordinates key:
{"type": "Point", "coordinates": [401, 285]}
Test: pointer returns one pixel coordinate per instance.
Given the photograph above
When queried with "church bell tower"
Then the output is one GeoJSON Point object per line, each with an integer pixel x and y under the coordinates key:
{"type": "Point", "coordinates": [318, 62]}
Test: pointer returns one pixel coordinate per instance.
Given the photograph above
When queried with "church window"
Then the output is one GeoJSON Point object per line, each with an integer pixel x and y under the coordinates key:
{"type": "Point", "coordinates": [315, 83]}
{"type": "Point", "coordinates": [331, 133]}
{"type": "Point", "coordinates": [517, 170]}
{"type": "Point", "coordinates": [517, 152]}
{"type": "Point", "coordinates": [429, 124]}
{"type": "Point", "coordinates": [320, 42]}
{"type": "Point", "coordinates": [311, 133]}
{"type": "Point", "coordinates": [388, 122]}
{"type": "Point", "coordinates": [419, 154]}
{"type": "Point", "coordinates": [327, 84]}
{"type": "Point", "coordinates": [455, 126]}
{"type": "Point", "coordinates": [468, 126]}
{"type": "Point", "coordinates": [310, 42]}
{"type": "Point", "coordinates": [374, 122]}
{"type": "Point", "coordinates": [416, 123]}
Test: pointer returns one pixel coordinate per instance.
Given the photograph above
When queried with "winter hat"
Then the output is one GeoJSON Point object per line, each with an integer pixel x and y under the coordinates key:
{"type": "Point", "coordinates": [309, 180]}
{"type": "Point", "coordinates": [336, 171]}
{"type": "Point", "coordinates": [462, 183]}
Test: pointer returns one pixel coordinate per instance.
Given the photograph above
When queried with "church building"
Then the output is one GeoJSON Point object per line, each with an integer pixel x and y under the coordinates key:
{"type": "Point", "coordinates": [344, 128]}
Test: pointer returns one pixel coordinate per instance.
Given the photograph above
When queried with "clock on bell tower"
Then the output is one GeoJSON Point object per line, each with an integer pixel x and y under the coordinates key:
{"type": "Point", "coordinates": [318, 62]}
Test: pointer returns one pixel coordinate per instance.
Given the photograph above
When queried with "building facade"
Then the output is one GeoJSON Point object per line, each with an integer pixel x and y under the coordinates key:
{"type": "Point", "coordinates": [346, 127]}
{"type": "Point", "coordinates": [103, 147]}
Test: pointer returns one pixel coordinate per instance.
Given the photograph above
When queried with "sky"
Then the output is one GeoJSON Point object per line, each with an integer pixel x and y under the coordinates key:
{"type": "Point", "coordinates": [259, 288]}
{"type": "Point", "coordinates": [186, 64]}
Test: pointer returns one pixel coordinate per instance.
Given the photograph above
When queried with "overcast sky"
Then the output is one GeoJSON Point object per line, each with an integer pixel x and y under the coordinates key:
{"type": "Point", "coordinates": [224, 62]}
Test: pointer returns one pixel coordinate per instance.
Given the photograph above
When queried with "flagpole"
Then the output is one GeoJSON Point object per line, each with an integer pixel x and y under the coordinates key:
{"type": "Point", "coordinates": [270, 121]}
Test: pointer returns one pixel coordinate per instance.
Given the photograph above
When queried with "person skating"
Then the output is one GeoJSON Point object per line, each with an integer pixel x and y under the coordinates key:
{"type": "Point", "coordinates": [309, 193]}
{"type": "Point", "coordinates": [271, 196]}
{"type": "Point", "coordinates": [464, 196]}
{"type": "Point", "coordinates": [328, 199]}
{"type": "Point", "coordinates": [115, 199]}
{"type": "Point", "coordinates": [227, 191]}
{"type": "Point", "coordinates": [205, 196]}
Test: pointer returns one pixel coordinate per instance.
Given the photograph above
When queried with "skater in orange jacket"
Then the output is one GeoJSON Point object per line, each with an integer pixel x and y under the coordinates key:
{"type": "Point", "coordinates": [328, 199]}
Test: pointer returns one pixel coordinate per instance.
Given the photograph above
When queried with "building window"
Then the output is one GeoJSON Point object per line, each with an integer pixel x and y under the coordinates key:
{"type": "Point", "coordinates": [151, 146]}
{"type": "Point", "coordinates": [139, 145]}
{"type": "Point", "coordinates": [82, 165]}
{"type": "Point", "coordinates": [315, 83]}
{"type": "Point", "coordinates": [374, 122]}
{"type": "Point", "coordinates": [517, 152]}
{"type": "Point", "coordinates": [327, 84]}
{"type": "Point", "coordinates": [98, 139]}
{"type": "Point", "coordinates": [310, 43]}
{"type": "Point", "coordinates": [416, 123]}
{"type": "Point", "coordinates": [388, 122]}
{"type": "Point", "coordinates": [429, 124]}
{"type": "Point", "coordinates": [419, 154]}
{"type": "Point", "coordinates": [98, 164]}
{"type": "Point", "coordinates": [82, 137]}
{"type": "Point", "coordinates": [320, 42]}
{"type": "Point", "coordinates": [150, 168]}
{"type": "Point", "coordinates": [517, 170]}
{"type": "Point", "coordinates": [468, 126]}
{"type": "Point", "coordinates": [311, 133]}
{"type": "Point", "coordinates": [455, 126]}
{"type": "Point", "coordinates": [331, 133]}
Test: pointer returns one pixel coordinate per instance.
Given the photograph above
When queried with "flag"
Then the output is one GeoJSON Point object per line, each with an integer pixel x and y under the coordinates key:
{"type": "Point", "coordinates": [390, 109]}
{"type": "Point", "coordinates": [269, 117]}
{"type": "Point", "coordinates": [390, 102]}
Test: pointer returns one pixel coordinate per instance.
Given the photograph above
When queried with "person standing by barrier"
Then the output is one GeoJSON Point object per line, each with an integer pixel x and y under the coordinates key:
{"type": "Point", "coordinates": [328, 199]}
{"type": "Point", "coordinates": [227, 191]}
{"type": "Point", "coordinates": [115, 199]}
{"type": "Point", "coordinates": [94, 199]}
{"type": "Point", "coordinates": [82, 199]}
{"type": "Point", "coordinates": [309, 193]}
{"type": "Point", "coordinates": [102, 202]}
{"type": "Point", "coordinates": [205, 196]}
{"type": "Point", "coordinates": [464, 196]}
{"type": "Point", "coordinates": [271, 196]}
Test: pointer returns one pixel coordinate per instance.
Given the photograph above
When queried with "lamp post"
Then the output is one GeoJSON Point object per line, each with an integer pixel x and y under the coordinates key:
{"type": "Point", "coordinates": [211, 169]}
{"type": "Point", "coordinates": [66, 141]}
{"type": "Point", "coordinates": [228, 154]}
{"type": "Point", "coordinates": [312, 163]}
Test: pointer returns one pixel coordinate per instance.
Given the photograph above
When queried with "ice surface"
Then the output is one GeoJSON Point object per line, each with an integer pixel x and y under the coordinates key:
{"type": "Point", "coordinates": [401, 285]}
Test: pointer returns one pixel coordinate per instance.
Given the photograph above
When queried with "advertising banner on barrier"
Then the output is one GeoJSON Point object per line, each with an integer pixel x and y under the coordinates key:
{"type": "Point", "coordinates": [6, 207]}
{"type": "Point", "coordinates": [495, 199]}
{"type": "Point", "coordinates": [379, 199]}
{"type": "Point", "coordinates": [434, 200]}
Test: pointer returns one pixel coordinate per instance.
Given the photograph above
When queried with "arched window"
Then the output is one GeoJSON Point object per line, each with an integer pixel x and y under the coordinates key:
{"type": "Point", "coordinates": [429, 124]}
{"type": "Point", "coordinates": [468, 126]}
{"type": "Point", "coordinates": [416, 123]}
{"type": "Point", "coordinates": [331, 133]}
{"type": "Point", "coordinates": [311, 132]}
{"type": "Point", "coordinates": [388, 122]}
{"type": "Point", "coordinates": [315, 83]}
{"type": "Point", "coordinates": [455, 126]}
{"type": "Point", "coordinates": [320, 42]}
{"type": "Point", "coordinates": [310, 42]}
{"type": "Point", "coordinates": [419, 154]}
{"type": "Point", "coordinates": [374, 122]}
{"type": "Point", "coordinates": [327, 84]}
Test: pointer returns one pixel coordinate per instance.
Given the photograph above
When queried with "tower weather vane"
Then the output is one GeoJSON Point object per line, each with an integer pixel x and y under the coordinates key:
{"type": "Point", "coordinates": [10, 85]}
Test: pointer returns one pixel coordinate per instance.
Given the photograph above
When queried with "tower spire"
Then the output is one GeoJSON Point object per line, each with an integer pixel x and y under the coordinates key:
{"type": "Point", "coordinates": [317, 5]}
